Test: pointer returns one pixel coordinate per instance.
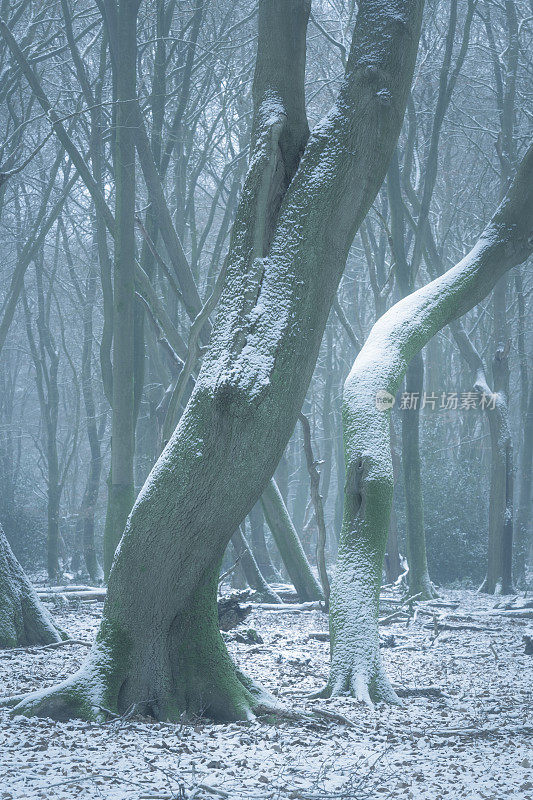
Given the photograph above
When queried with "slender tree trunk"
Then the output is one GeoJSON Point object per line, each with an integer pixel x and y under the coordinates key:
{"type": "Point", "coordinates": [524, 526]}
{"type": "Point", "coordinates": [259, 545]}
{"type": "Point", "coordinates": [418, 575]}
{"type": "Point", "coordinates": [253, 575]}
{"type": "Point", "coordinates": [316, 497]}
{"type": "Point", "coordinates": [289, 544]}
{"type": "Point", "coordinates": [159, 645]}
{"type": "Point", "coordinates": [393, 564]}
{"type": "Point", "coordinates": [500, 539]}
{"type": "Point", "coordinates": [121, 484]}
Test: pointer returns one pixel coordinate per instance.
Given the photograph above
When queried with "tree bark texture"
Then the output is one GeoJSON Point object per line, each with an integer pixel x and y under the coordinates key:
{"type": "Point", "coordinates": [24, 621]}
{"type": "Point", "coordinates": [356, 666]}
{"type": "Point", "coordinates": [158, 645]}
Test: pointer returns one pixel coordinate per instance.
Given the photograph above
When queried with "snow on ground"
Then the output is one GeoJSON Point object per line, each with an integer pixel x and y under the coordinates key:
{"type": "Point", "coordinates": [468, 744]}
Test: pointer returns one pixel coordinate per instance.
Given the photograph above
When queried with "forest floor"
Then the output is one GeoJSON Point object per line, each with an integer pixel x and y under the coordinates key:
{"type": "Point", "coordinates": [475, 741]}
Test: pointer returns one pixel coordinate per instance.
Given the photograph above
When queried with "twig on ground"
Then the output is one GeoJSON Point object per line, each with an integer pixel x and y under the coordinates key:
{"type": "Point", "coordinates": [52, 646]}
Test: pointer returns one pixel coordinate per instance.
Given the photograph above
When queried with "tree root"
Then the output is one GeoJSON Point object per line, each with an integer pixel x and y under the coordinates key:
{"type": "Point", "coordinates": [365, 689]}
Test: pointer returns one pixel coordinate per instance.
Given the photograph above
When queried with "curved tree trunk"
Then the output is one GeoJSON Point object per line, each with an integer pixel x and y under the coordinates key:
{"type": "Point", "coordinates": [356, 666]}
{"type": "Point", "coordinates": [159, 646]}
{"type": "Point", "coordinates": [24, 621]}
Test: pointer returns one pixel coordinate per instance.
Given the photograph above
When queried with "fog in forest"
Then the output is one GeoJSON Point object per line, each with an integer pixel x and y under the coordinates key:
{"type": "Point", "coordinates": [266, 399]}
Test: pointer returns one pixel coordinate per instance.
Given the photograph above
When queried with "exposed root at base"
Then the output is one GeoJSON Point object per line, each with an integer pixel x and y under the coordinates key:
{"type": "Point", "coordinates": [376, 689]}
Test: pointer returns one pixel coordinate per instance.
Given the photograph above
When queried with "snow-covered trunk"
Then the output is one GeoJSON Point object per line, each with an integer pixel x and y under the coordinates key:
{"type": "Point", "coordinates": [24, 620]}
{"type": "Point", "coordinates": [393, 564]}
{"type": "Point", "coordinates": [400, 334]}
{"type": "Point", "coordinates": [289, 544]}
{"type": "Point", "coordinates": [159, 646]}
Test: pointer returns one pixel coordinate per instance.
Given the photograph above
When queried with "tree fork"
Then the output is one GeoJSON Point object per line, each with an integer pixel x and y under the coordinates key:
{"type": "Point", "coordinates": [263, 350]}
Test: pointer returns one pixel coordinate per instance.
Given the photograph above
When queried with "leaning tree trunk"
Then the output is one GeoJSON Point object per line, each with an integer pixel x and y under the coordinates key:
{"type": "Point", "coordinates": [159, 646]}
{"type": "Point", "coordinates": [24, 621]}
{"type": "Point", "coordinates": [289, 544]}
{"type": "Point", "coordinates": [356, 666]}
{"type": "Point", "coordinates": [252, 573]}
{"type": "Point", "coordinates": [259, 545]}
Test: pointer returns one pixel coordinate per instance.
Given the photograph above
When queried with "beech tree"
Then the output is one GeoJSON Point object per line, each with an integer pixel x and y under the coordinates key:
{"type": "Point", "coordinates": [304, 197]}
{"type": "Point", "coordinates": [24, 620]}
{"type": "Point", "coordinates": [395, 339]}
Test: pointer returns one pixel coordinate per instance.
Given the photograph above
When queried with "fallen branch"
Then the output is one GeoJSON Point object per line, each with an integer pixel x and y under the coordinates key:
{"type": "Point", "coordinates": [81, 594]}
{"type": "Point", "coordinates": [484, 733]}
{"type": "Point", "coordinates": [291, 608]}
{"type": "Point", "coordinates": [51, 646]}
{"type": "Point", "coordinates": [443, 626]}
{"type": "Point", "coordinates": [423, 691]}
{"type": "Point", "coordinates": [334, 717]}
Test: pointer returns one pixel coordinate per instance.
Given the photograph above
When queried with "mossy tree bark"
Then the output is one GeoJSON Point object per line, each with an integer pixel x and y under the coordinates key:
{"type": "Point", "coordinates": [24, 621]}
{"type": "Point", "coordinates": [289, 544]}
{"type": "Point", "coordinates": [356, 666]}
{"type": "Point", "coordinates": [159, 646]}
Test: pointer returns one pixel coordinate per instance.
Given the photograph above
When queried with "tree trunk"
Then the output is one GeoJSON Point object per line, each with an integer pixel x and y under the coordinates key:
{"type": "Point", "coordinates": [289, 544]}
{"type": "Point", "coordinates": [316, 497]}
{"type": "Point", "coordinates": [356, 666]}
{"type": "Point", "coordinates": [252, 573]}
{"type": "Point", "coordinates": [121, 484]}
{"type": "Point", "coordinates": [24, 621]}
{"type": "Point", "coordinates": [500, 540]}
{"type": "Point", "coordinates": [259, 545]}
{"type": "Point", "coordinates": [418, 575]}
{"type": "Point", "coordinates": [393, 564]}
{"type": "Point", "coordinates": [159, 646]}
{"type": "Point", "coordinates": [524, 526]}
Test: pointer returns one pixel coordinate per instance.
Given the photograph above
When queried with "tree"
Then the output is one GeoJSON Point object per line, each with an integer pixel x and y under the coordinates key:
{"type": "Point", "coordinates": [24, 621]}
{"type": "Point", "coordinates": [159, 646]}
{"type": "Point", "coordinates": [356, 666]}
